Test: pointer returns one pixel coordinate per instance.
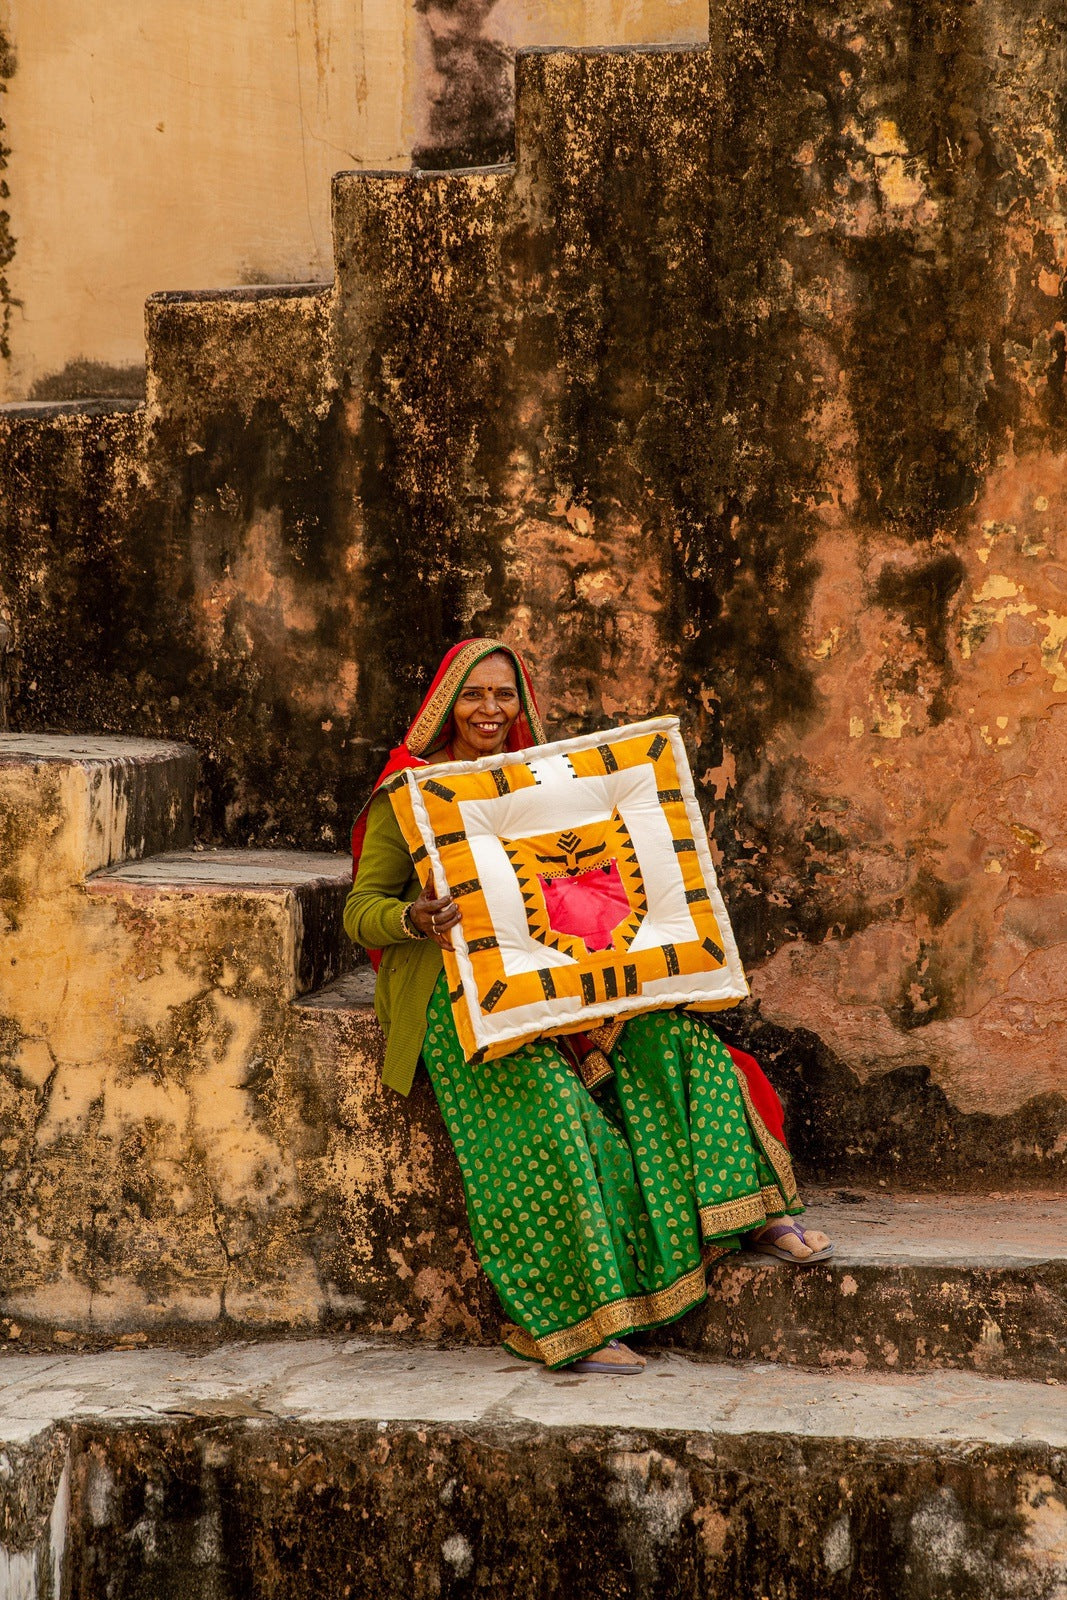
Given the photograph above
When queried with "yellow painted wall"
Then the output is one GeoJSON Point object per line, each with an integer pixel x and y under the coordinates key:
{"type": "Point", "coordinates": [163, 144]}
{"type": "Point", "coordinates": [185, 144]}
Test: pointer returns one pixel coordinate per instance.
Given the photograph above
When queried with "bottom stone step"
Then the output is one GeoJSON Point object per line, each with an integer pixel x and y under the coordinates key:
{"type": "Point", "coordinates": [333, 1468]}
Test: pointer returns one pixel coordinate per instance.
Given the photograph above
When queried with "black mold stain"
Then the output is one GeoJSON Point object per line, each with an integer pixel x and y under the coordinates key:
{"type": "Point", "coordinates": [932, 899]}
{"type": "Point", "coordinates": [8, 67]}
{"type": "Point", "coordinates": [651, 287]}
{"type": "Point", "coordinates": [472, 108]}
{"type": "Point", "coordinates": [432, 1510]}
{"type": "Point", "coordinates": [899, 1125]}
{"type": "Point", "coordinates": [91, 380]}
{"type": "Point", "coordinates": [436, 355]}
{"type": "Point", "coordinates": [922, 596]}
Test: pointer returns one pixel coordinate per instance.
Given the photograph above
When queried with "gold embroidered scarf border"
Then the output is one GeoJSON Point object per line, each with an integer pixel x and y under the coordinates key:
{"type": "Point", "coordinates": [437, 709]}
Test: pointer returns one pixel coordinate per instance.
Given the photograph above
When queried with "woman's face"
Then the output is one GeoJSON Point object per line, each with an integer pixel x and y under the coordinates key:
{"type": "Point", "coordinates": [485, 709]}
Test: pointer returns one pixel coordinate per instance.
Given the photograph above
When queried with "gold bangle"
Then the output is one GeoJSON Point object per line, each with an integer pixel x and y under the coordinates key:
{"type": "Point", "coordinates": [408, 927]}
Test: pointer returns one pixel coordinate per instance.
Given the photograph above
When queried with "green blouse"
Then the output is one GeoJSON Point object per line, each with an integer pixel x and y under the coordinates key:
{"type": "Point", "coordinates": [385, 882]}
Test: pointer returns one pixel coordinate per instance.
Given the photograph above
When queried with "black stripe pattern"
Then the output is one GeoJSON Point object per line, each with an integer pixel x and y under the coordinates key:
{"type": "Point", "coordinates": [471, 886]}
{"type": "Point", "coordinates": [439, 789]}
{"type": "Point", "coordinates": [490, 942]}
{"type": "Point", "coordinates": [490, 999]}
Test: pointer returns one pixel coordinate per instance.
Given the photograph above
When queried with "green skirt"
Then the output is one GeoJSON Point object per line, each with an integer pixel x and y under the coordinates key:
{"type": "Point", "coordinates": [594, 1214]}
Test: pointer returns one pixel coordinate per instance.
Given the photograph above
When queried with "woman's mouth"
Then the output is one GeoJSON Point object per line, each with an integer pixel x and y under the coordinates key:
{"type": "Point", "coordinates": [488, 728]}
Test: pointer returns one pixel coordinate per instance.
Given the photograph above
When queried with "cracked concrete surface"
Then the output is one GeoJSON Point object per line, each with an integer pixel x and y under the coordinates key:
{"type": "Point", "coordinates": [358, 1380]}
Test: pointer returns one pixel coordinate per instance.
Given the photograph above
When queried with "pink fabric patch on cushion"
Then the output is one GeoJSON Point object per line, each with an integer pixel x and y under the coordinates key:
{"type": "Point", "coordinates": [589, 906]}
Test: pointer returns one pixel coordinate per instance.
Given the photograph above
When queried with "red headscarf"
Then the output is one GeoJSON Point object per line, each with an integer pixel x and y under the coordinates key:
{"type": "Point", "coordinates": [431, 729]}
{"type": "Point", "coordinates": [433, 723]}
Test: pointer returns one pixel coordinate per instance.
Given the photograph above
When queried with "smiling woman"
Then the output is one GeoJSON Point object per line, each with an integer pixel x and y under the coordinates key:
{"type": "Point", "coordinates": [595, 1206]}
{"type": "Point", "coordinates": [485, 709]}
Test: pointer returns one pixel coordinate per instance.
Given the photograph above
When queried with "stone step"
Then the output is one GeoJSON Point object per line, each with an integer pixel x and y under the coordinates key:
{"type": "Point", "coordinates": [916, 1282]}
{"type": "Point", "coordinates": [324, 1467]}
{"type": "Point", "coordinates": [153, 1121]}
{"type": "Point", "coordinates": [71, 804]}
{"type": "Point", "coordinates": [974, 1282]}
{"type": "Point", "coordinates": [216, 349]}
{"type": "Point", "coordinates": [302, 893]}
{"type": "Point", "coordinates": [46, 410]}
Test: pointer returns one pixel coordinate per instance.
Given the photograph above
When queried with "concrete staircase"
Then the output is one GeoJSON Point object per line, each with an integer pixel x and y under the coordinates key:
{"type": "Point", "coordinates": [197, 1144]}
{"type": "Point", "coordinates": [196, 1135]}
{"type": "Point", "coordinates": [194, 1141]}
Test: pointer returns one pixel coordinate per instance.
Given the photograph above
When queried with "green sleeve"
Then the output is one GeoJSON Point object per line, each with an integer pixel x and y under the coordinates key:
{"type": "Point", "coordinates": [385, 883]}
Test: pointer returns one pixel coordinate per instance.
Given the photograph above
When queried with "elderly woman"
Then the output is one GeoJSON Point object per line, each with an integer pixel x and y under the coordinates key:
{"type": "Point", "coordinates": [594, 1211]}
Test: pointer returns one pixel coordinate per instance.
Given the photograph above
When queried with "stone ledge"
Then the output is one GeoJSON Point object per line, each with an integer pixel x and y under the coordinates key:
{"type": "Point", "coordinates": [240, 294]}
{"type": "Point", "coordinates": [71, 804]}
{"type": "Point", "coordinates": [43, 410]}
{"type": "Point", "coordinates": [354, 991]}
{"type": "Point", "coordinates": [325, 1381]}
{"type": "Point", "coordinates": [965, 1282]}
{"type": "Point", "coordinates": [254, 871]}
{"type": "Point", "coordinates": [80, 749]}
{"type": "Point", "coordinates": [315, 1468]}
{"type": "Point", "coordinates": [310, 887]}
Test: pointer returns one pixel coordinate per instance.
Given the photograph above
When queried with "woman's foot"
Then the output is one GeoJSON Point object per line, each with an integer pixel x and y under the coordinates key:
{"type": "Point", "coordinates": [613, 1359]}
{"type": "Point", "coordinates": [788, 1241]}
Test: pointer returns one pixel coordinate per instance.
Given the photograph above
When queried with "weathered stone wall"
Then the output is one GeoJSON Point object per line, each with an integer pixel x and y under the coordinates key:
{"type": "Point", "coordinates": [465, 53]}
{"type": "Point", "coordinates": [508, 1509]}
{"type": "Point", "coordinates": [155, 1116]}
{"type": "Point", "coordinates": [741, 395]}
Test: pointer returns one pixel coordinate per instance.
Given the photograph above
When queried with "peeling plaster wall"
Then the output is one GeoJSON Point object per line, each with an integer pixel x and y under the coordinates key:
{"type": "Point", "coordinates": [156, 1112]}
{"type": "Point", "coordinates": [743, 396]}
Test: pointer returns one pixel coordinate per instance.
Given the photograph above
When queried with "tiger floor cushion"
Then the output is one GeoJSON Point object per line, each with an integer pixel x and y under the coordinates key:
{"type": "Point", "coordinates": [585, 881]}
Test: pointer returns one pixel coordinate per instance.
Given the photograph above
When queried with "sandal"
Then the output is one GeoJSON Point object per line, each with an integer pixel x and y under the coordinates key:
{"type": "Point", "coordinates": [611, 1369]}
{"type": "Point", "coordinates": [767, 1245]}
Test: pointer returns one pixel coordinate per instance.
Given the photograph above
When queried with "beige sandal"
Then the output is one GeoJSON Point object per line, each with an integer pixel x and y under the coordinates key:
{"type": "Point", "coordinates": [612, 1369]}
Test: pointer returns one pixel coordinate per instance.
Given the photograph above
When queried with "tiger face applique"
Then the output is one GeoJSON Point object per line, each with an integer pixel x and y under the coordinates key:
{"type": "Point", "coordinates": [582, 888]}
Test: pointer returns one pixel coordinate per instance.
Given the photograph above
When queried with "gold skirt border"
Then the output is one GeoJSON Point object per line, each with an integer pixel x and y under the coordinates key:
{"type": "Point", "coordinates": [607, 1322]}
{"type": "Point", "coordinates": [773, 1149]}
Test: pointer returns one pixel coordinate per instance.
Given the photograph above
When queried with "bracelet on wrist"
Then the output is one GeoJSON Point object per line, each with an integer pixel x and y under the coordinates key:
{"type": "Point", "coordinates": [408, 927]}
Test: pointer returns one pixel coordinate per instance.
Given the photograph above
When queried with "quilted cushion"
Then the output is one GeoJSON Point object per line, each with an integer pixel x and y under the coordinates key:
{"type": "Point", "coordinates": [587, 888]}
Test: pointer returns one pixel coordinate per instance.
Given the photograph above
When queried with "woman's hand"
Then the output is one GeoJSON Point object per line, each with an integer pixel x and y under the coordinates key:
{"type": "Point", "coordinates": [435, 917]}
